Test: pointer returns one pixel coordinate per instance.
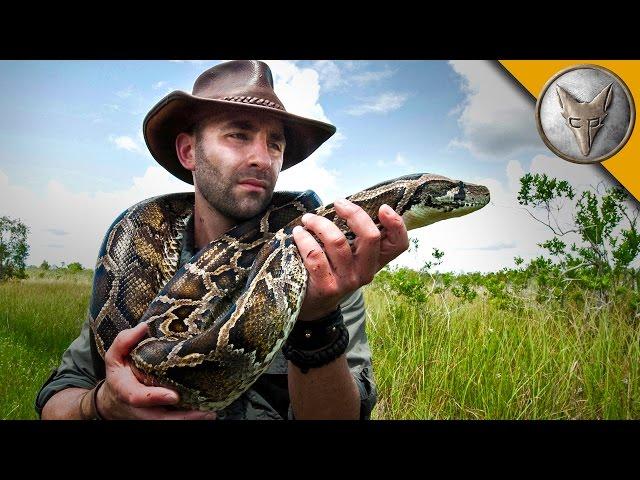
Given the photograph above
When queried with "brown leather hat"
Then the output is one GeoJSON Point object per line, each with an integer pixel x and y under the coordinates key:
{"type": "Point", "coordinates": [241, 85]}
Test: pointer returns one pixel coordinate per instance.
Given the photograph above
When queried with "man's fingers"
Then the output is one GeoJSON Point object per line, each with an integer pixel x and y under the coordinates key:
{"type": "Point", "coordinates": [367, 238]}
{"type": "Point", "coordinates": [132, 390]}
{"type": "Point", "coordinates": [312, 254]}
{"type": "Point", "coordinates": [335, 244]}
{"type": "Point", "coordinates": [142, 396]}
{"type": "Point", "coordinates": [126, 340]}
{"type": "Point", "coordinates": [357, 220]}
{"type": "Point", "coordinates": [395, 240]}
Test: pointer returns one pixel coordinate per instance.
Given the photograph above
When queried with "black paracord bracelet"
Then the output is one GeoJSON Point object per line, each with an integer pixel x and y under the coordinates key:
{"type": "Point", "coordinates": [316, 334]}
{"type": "Point", "coordinates": [317, 343]}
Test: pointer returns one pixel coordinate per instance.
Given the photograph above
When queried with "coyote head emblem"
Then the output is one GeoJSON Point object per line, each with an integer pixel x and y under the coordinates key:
{"type": "Point", "coordinates": [585, 119]}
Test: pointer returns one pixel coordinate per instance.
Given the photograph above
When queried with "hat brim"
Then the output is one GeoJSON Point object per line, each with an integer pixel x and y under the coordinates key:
{"type": "Point", "coordinates": [178, 111]}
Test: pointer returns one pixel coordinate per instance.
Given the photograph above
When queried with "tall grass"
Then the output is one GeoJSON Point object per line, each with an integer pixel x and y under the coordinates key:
{"type": "Point", "coordinates": [441, 359]}
{"type": "Point", "coordinates": [39, 318]}
{"type": "Point", "coordinates": [444, 359]}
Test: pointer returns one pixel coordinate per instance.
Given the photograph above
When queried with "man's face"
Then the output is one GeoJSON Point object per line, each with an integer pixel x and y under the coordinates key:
{"type": "Point", "coordinates": [238, 158]}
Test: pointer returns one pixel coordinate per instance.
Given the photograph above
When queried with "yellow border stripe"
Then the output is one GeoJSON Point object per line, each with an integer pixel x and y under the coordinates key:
{"type": "Point", "coordinates": [534, 74]}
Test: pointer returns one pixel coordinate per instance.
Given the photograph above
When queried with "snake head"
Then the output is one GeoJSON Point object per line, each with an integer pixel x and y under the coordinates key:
{"type": "Point", "coordinates": [439, 198]}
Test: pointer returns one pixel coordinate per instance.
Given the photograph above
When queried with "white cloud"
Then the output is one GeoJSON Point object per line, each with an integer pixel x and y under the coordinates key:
{"type": "Point", "coordinates": [159, 84]}
{"type": "Point", "coordinates": [125, 93]}
{"type": "Point", "coordinates": [83, 216]}
{"type": "Point", "coordinates": [581, 177]}
{"type": "Point", "coordinates": [298, 88]}
{"type": "Point", "coordinates": [372, 76]}
{"type": "Point", "coordinates": [334, 75]}
{"type": "Point", "coordinates": [470, 242]}
{"type": "Point", "coordinates": [383, 103]}
{"type": "Point", "coordinates": [514, 173]}
{"type": "Point", "coordinates": [493, 246]}
{"type": "Point", "coordinates": [126, 143]}
{"type": "Point", "coordinates": [56, 231]}
{"type": "Point", "coordinates": [311, 174]}
{"type": "Point", "coordinates": [496, 118]}
{"type": "Point", "coordinates": [330, 74]}
{"type": "Point", "coordinates": [400, 161]}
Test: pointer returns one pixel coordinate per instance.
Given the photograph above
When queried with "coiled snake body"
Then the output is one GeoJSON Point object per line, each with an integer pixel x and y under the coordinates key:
{"type": "Point", "coordinates": [216, 323]}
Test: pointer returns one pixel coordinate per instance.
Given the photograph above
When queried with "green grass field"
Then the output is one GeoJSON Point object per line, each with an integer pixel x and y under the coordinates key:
{"type": "Point", "coordinates": [448, 360]}
{"type": "Point", "coordinates": [443, 359]}
{"type": "Point", "coordinates": [39, 318]}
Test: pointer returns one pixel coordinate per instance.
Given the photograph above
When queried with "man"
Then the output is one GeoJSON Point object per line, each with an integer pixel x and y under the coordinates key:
{"type": "Point", "coordinates": [231, 138]}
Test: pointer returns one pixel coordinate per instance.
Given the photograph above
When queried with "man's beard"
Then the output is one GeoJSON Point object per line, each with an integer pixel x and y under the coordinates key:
{"type": "Point", "coordinates": [219, 191]}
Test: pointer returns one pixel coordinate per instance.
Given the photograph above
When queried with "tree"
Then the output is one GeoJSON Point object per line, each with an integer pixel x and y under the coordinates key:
{"type": "Point", "coordinates": [13, 248]}
{"type": "Point", "coordinates": [45, 265]}
{"type": "Point", "coordinates": [609, 241]}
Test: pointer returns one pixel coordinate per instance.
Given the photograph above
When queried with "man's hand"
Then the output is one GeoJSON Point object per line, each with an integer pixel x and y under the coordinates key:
{"type": "Point", "coordinates": [122, 396]}
{"type": "Point", "coordinates": [339, 268]}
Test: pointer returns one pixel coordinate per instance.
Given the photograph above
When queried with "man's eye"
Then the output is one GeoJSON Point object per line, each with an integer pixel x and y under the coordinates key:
{"type": "Point", "coordinates": [240, 136]}
{"type": "Point", "coordinates": [594, 122]}
{"type": "Point", "coordinates": [275, 146]}
{"type": "Point", "coordinates": [574, 122]}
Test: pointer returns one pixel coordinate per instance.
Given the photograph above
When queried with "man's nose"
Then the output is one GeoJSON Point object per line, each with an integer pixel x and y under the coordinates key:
{"type": "Point", "coordinates": [260, 156]}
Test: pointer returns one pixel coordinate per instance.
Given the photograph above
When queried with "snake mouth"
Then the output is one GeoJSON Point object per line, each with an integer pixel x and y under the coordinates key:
{"type": "Point", "coordinates": [421, 215]}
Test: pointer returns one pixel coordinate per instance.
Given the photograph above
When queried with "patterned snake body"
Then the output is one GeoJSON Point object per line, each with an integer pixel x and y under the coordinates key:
{"type": "Point", "coordinates": [216, 323]}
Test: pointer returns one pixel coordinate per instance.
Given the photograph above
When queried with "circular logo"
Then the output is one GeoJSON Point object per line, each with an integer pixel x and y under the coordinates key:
{"type": "Point", "coordinates": [585, 114]}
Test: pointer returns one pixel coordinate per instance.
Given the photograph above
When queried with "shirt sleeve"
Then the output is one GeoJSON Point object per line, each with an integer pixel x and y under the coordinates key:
{"type": "Point", "coordinates": [75, 370]}
{"type": "Point", "coordinates": [358, 353]}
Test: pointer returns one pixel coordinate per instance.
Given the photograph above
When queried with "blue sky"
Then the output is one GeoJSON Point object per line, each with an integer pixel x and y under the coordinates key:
{"type": "Point", "coordinates": [61, 115]}
{"type": "Point", "coordinates": [72, 155]}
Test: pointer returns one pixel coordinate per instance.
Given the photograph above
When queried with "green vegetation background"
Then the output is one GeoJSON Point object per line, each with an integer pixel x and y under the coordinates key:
{"type": "Point", "coordinates": [437, 353]}
{"type": "Point", "coordinates": [555, 338]}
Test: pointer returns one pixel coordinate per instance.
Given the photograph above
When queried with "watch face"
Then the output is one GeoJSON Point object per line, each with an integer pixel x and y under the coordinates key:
{"type": "Point", "coordinates": [585, 114]}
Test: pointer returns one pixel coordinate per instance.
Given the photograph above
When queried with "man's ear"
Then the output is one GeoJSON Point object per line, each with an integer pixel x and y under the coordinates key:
{"type": "Point", "coordinates": [185, 149]}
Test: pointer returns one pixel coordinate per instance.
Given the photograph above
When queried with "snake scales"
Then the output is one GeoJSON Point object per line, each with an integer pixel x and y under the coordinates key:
{"type": "Point", "coordinates": [216, 323]}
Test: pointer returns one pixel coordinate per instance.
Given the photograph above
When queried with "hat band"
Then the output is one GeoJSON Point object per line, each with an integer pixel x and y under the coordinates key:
{"type": "Point", "coordinates": [255, 101]}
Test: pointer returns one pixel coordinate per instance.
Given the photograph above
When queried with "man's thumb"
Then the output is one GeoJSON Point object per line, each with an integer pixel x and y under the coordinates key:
{"type": "Point", "coordinates": [126, 340]}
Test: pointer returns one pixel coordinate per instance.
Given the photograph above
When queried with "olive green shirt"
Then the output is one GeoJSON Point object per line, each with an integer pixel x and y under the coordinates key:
{"type": "Point", "coordinates": [268, 397]}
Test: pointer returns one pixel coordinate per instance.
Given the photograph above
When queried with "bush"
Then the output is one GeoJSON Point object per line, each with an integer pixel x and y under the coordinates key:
{"type": "Point", "coordinates": [74, 267]}
{"type": "Point", "coordinates": [13, 248]}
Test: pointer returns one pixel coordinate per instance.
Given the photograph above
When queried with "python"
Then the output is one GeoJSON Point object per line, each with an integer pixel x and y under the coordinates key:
{"type": "Point", "coordinates": [216, 323]}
